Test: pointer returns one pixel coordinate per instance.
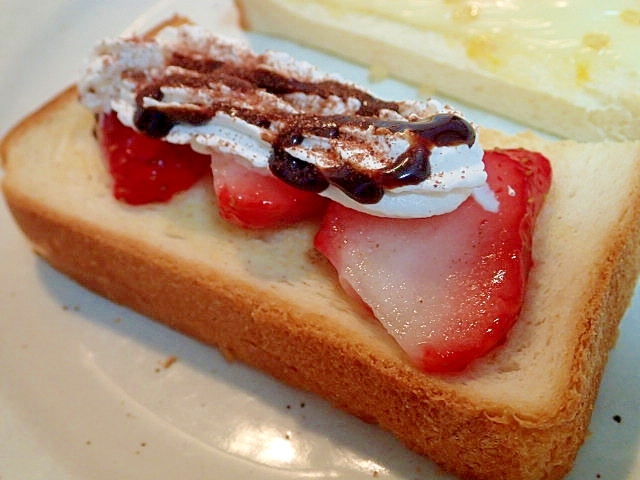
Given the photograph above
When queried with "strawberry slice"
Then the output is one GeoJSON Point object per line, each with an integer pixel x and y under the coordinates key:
{"type": "Point", "coordinates": [255, 201]}
{"type": "Point", "coordinates": [146, 169]}
{"type": "Point", "coordinates": [448, 288]}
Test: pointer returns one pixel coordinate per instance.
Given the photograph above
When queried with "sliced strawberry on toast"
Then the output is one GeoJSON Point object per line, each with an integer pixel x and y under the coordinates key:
{"type": "Point", "coordinates": [448, 288]}
{"type": "Point", "coordinates": [252, 200]}
{"type": "Point", "coordinates": [146, 169]}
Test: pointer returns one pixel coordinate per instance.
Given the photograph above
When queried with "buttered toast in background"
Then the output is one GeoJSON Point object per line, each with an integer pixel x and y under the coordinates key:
{"type": "Point", "coordinates": [571, 69]}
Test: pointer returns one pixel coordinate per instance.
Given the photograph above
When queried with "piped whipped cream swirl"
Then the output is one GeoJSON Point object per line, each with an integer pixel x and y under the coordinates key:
{"type": "Point", "coordinates": [284, 117]}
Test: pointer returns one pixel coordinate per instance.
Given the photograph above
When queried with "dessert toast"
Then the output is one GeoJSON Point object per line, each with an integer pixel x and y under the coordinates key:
{"type": "Point", "coordinates": [268, 299]}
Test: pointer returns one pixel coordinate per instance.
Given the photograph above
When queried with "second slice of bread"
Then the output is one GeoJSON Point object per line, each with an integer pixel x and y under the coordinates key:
{"type": "Point", "coordinates": [268, 299]}
{"type": "Point", "coordinates": [589, 110]}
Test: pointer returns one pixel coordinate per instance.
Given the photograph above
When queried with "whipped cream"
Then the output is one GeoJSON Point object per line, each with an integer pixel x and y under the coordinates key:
{"type": "Point", "coordinates": [405, 159]}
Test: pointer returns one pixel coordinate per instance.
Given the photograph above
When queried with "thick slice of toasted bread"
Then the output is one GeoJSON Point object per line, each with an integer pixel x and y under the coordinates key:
{"type": "Point", "coordinates": [597, 101]}
{"type": "Point", "coordinates": [269, 300]}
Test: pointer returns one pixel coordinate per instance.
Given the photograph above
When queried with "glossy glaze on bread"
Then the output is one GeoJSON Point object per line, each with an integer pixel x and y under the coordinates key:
{"type": "Point", "coordinates": [441, 64]}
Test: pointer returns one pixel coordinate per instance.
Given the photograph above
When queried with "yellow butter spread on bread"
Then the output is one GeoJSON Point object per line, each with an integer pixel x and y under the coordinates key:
{"type": "Point", "coordinates": [579, 42]}
{"type": "Point", "coordinates": [571, 68]}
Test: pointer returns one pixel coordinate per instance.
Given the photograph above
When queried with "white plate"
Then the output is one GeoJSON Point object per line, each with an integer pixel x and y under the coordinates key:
{"type": "Point", "coordinates": [84, 391]}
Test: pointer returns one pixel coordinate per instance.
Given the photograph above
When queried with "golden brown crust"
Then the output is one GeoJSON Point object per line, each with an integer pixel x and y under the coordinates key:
{"type": "Point", "coordinates": [471, 435]}
{"type": "Point", "coordinates": [174, 21]}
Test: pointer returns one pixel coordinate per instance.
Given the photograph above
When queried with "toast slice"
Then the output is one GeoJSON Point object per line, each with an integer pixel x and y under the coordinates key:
{"type": "Point", "coordinates": [493, 55]}
{"type": "Point", "coordinates": [268, 299]}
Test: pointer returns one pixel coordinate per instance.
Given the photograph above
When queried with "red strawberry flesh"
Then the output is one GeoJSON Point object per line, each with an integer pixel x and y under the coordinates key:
{"type": "Point", "coordinates": [252, 200]}
{"type": "Point", "coordinates": [448, 288]}
{"type": "Point", "coordinates": [145, 169]}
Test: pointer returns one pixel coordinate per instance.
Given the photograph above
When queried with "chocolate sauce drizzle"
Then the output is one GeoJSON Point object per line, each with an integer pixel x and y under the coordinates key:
{"type": "Point", "coordinates": [363, 186]}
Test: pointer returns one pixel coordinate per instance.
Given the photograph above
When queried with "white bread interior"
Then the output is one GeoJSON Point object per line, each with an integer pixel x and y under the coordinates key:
{"type": "Point", "coordinates": [268, 299]}
{"type": "Point", "coordinates": [438, 65]}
